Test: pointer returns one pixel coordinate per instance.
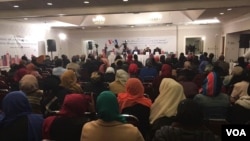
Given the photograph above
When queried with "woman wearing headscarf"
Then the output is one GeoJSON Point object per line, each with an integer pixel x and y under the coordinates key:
{"type": "Point", "coordinates": [31, 68]}
{"type": "Point", "coordinates": [67, 124]}
{"type": "Point", "coordinates": [109, 75]}
{"type": "Point", "coordinates": [118, 86]}
{"type": "Point", "coordinates": [69, 81]}
{"type": "Point", "coordinates": [133, 70]}
{"type": "Point", "coordinates": [134, 102]}
{"type": "Point", "coordinates": [165, 105]}
{"type": "Point", "coordinates": [188, 125]}
{"type": "Point", "coordinates": [214, 102]}
{"type": "Point", "coordinates": [239, 111]}
{"type": "Point", "coordinates": [110, 125]}
{"type": "Point", "coordinates": [166, 72]}
{"type": "Point", "coordinates": [18, 123]}
{"type": "Point", "coordinates": [68, 85]}
{"type": "Point", "coordinates": [29, 85]}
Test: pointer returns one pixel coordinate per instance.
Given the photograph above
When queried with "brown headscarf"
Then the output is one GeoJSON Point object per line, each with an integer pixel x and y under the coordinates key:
{"type": "Point", "coordinates": [134, 95]}
{"type": "Point", "coordinates": [69, 81]}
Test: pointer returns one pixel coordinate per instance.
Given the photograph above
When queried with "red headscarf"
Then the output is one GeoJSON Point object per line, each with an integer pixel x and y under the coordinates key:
{"type": "Point", "coordinates": [133, 69]}
{"type": "Point", "coordinates": [74, 105]}
{"type": "Point", "coordinates": [130, 58]}
{"type": "Point", "coordinates": [134, 95]}
{"type": "Point", "coordinates": [166, 71]}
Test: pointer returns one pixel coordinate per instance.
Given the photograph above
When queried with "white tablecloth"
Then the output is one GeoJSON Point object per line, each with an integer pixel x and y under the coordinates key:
{"type": "Point", "coordinates": [141, 58]}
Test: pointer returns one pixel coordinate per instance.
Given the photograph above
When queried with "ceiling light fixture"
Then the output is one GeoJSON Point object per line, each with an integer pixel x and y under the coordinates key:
{"type": "Point", "coordinates": [49, 3]}
{"type": "Point", "coordinates": [86, 2]}
{"type": "Point", "coordinates": [98, 19]}
{"type": "Point", "coordinates": [125, 0]}
{"type": "Point", "coordinates": [221, 13]}
{"type": "Point", "coordinates": [229, 9]}
{"type": "Point", "coordinates": [16, 6]}
{"type": "Point", "coordinates": [205, 21]}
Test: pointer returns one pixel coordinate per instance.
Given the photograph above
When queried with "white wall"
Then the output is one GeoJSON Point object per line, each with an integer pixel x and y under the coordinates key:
{"type": "Point", "coordinates": [16, 33]}
{"type": "Point", "coordinates": [212, 34]}
{"type": "Point", "coordinates": [232, 31]}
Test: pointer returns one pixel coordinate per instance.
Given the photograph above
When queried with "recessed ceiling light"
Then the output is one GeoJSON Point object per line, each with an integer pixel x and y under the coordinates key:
{"type": "Point", "coordinates": [16, 6]}
{"type": "Point", "coordinates": [229, 9]}
{"type": "Point", "coordinates": [49, 3]}
{"type": "Point", "coordinates": [25, 19]}
{"type": "Point", "coordinates": [125, 0]}
{"type": "Point", "coordinates": [61, 15]}
{"type": "Point", "coordinates": [86, 2]}
{"type": "Point", "coordinates": [221, 13]}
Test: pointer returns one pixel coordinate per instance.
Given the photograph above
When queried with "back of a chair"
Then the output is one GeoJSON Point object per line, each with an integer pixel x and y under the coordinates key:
{"type": "Point", "coordinates": [131, 119]}
{"type": "Point", "coordinates": [3, 93]}
{"type": "Point", "coordinates": [215, 125]}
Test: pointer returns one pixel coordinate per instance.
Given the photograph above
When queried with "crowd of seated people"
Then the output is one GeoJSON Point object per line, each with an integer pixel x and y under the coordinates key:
{"type": "Point", "coordinates": [108, 91]}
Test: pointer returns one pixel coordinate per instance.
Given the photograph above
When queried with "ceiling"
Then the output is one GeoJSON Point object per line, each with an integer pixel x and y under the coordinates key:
{"type": "Point", "coordinates": [75, 14]}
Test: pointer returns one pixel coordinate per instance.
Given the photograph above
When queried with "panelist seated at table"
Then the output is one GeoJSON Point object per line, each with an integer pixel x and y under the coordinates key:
{"type": "Point", "coordinates": [136, 51]}
{"type": "Point", "coordinates": [147, 50]}
{"type": "Point", "coordinates": [157, 50]}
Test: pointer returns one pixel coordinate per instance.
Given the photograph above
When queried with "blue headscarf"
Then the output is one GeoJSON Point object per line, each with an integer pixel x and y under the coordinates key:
{"type": "Point", "coordinates": [16, 105]}
{"type": "Point", "coordinates": [108, 107]}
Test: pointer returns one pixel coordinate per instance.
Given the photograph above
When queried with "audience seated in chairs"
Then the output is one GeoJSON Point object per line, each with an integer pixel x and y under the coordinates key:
{"type": "Point", "coordinates": [58, 70]}
{"type": "Point", "coordinates": [110, 125]}
{"type": "Point", "coordinates": [164, 108]}
{"type": "Point", "coordinates": [51, 95]}
{"type": "Point", "coordinates": [133, 70]}
{"type": "Point", "coordinates": [67, 123]}
{"type": "Point", "coordinates": [96, 84]}
{"type": "Point", "coordinates": [118, 86]}
{"type": "Point", "coordinates": [214, 103]}
{"type": "Point", "coordinates": [148, 70]}
{"type": "Point", "coordinates": [68, 85]}
{"type": "Point", "coordinates": [18, 122]}
{"type": "Point", "coordinates": [187, 126]}
{"type": "Point", "coordinates": [32, 69]}
{"type": "Point", "coordinates": [239, 112]}
{"type": "Point", "coordinates": [133, 102]}
{"type": "Point", "coordinates": [190, 88]}
{"type": "Point", "coordinates": [166, 72]}
{"type": "Point", "coordinates": [29, 85]}
{"type": "Point", "coordinates": [109, 75]}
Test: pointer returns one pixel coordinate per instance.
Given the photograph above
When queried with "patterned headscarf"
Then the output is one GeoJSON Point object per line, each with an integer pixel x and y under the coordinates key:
{"type": "Point", "coordinates": [211, 85]}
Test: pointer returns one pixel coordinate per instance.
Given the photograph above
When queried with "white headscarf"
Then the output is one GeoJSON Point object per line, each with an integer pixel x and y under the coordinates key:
{"type": "Point", "coordinates": [166, 103]}
{"type": "Point", "coordinates": [121, 76]}
{"type": "Point", "coordinates": [110, 70]}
